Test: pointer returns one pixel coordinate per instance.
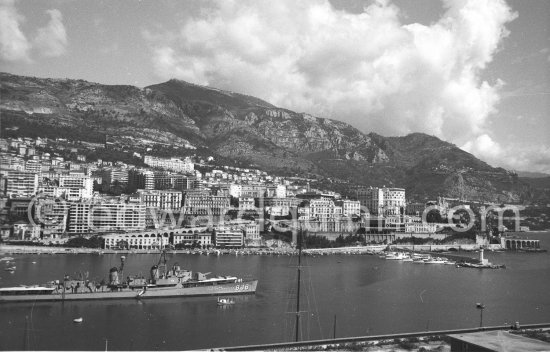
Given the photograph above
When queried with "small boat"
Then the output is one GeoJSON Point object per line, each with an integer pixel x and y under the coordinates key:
{"type": "Point", "coordinates": [6, 259]}
{"type": "Point", "coordinates": [395, 256]}
{"type": "Point", "coordinates": [10, 269]}
{"type": "Point", "coordinates": [225, 302]}
{"type": "Point", "coordinates": [78, 320]}
{"type": "Point", "coordinates": [434, 261]}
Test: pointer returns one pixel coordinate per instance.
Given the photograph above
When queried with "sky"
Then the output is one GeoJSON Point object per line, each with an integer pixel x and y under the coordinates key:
{"type": "Point", "coordinates": [475, 73]}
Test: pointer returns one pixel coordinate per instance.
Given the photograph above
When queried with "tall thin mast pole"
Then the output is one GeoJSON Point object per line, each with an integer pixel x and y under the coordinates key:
{"type": "Point", "coordinates": [298, 290]}
{"type": "Point", "coordinates": [26, 337]}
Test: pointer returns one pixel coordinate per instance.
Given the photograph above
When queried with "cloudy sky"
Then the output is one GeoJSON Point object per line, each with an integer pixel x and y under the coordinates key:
{"type": "Point", "coordinates": [473, 72]}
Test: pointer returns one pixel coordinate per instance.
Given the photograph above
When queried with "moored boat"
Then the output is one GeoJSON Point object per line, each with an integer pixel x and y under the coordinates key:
{"type": "Point", "coordinates": [395, 256]}
{"type": "Point", "coordinates": [435, 260]}
{"type": "Point", "coordinates": [163, 282]}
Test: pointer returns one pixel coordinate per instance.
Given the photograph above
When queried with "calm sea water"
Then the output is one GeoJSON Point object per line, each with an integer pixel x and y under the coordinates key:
{"type": "Point", "coordinates": [368, 296]}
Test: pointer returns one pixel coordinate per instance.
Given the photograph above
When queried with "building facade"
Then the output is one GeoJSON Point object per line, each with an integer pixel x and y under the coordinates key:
{"type": "Point", "coordinates": [103, 216]}
{"type": "Point", "coordinates": [382, 201]}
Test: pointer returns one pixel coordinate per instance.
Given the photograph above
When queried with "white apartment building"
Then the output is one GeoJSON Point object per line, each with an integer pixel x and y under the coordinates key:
{"type": "Point", "coordinates": [106, 215]}
{"type": "Point", "coordinates": [174, 164]}
{"type": "Point", "coordinates": [79, 185]}
{"type": "Point", "coordinates": [350, 207]}
{"type": "Point", "coordinates": [20, 183]}
{"type": "Point", "coordinates": [279, 206]}
{"type": "Point", "coordinates": [33, 166]}
{"type": "Point", "coordinates": [228, 239]}
{"type": "Point", "coordinates": [162, 199]}
{"type": "Point", "coordinates": [250, 228]}
{"type": "Point", "coordinates": [111, 175]}
{"type": "Point", "coordinates": [324, 210]}
{"type": "Point", "coordinates": [159, 238]}
{"type": "Point", "coordinates": [8, 161]}
{"type": "Point", "coordinates": [203, 203]}
{"type": "Point", "coordinates": [382, 201]}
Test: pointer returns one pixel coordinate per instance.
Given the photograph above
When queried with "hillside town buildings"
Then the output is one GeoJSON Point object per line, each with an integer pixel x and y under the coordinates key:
{"type": "Point", "coordinates": [50, 189]}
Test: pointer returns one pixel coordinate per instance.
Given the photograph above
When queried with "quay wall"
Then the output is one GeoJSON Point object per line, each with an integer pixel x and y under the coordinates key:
{"type": "Point", "coordinates": [334, 343]}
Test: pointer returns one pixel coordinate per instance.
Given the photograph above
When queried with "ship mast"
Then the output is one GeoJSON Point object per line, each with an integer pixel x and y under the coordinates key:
{"type": "Point", "coordinates": [299, 239]}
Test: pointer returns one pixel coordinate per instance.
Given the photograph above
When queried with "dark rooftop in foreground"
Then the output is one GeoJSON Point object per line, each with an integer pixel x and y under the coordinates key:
{"type": "Point", "coordinates": [495, 341]}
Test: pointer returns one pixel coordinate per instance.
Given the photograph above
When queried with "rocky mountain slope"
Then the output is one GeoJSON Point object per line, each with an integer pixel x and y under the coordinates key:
{"type": "Point", "coordinates": [245, 128]}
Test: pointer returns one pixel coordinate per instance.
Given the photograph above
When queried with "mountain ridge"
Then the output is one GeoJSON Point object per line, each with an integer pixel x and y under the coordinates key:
{"type": "Point", "coordinates": [247, 129]}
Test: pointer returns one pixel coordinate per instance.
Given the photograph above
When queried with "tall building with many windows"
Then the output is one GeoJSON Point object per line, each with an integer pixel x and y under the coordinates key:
{"type": "Point", "coordinates": [203, 203]}
{"type": "Point", "coordinates": [382, 201]}
{"type": "Point", "coordinates": [106, 215]}
{"type": "Point", "coordinates": [19, 183]}
{"type": "Point", "coordinates": [174, 164]}
{"type": "Point", "coordinates": [162, 199]}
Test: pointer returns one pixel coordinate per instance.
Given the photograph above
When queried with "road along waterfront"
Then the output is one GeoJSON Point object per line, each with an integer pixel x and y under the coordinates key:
{"type": "Point", "coordinates": [369, 295]}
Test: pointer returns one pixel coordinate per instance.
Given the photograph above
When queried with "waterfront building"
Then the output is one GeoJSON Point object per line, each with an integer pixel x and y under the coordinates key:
{"type": "Point", "coordinates": [52, 215]}
{"type": "Point", "coordinates": [193, 236]}
{"type": "Point", "coordinates": [22, 230]}
{"type": "Point", "coordinates": [101, 215]}
{"type": "Point", "coordinates": [159, 238]}
{"type": "Point", "coordinates": [228, 239]}
{"type": "Point", "coordinates": [250, 228]}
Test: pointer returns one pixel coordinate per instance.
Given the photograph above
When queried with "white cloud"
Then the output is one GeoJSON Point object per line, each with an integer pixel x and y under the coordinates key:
{"type": "Point", "coordinates": [368, 69]}
{"type": "Point", "coordinates": [51, 40]}
{"type": "Point", "coordinates": [14, 45]}
{"type": "Point", "coordinates": [534, 158]}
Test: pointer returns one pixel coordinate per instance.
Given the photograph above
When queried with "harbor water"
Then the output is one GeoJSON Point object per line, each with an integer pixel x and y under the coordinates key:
{"type": "Point", "coordinates": [367, 294]}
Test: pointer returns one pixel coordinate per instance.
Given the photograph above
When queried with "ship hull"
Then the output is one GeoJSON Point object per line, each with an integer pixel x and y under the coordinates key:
{"type": "Point", "coordinates": [237, 288]}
